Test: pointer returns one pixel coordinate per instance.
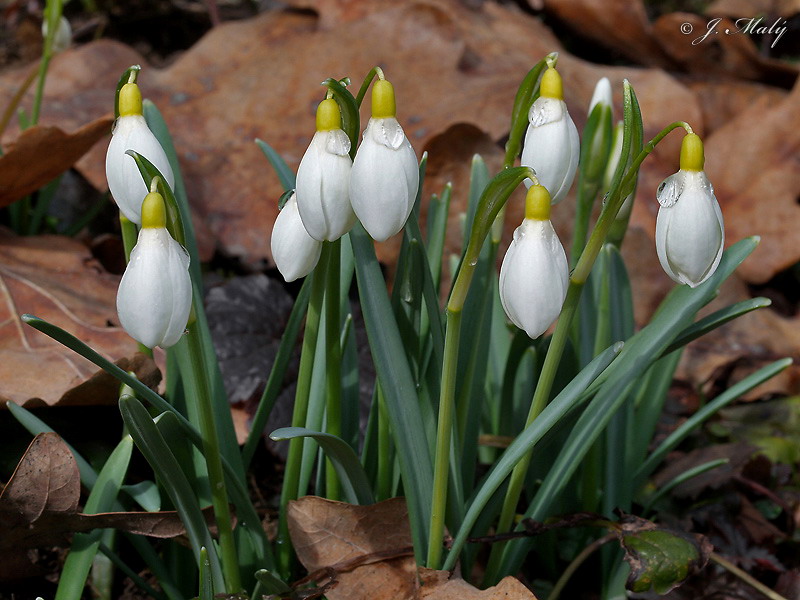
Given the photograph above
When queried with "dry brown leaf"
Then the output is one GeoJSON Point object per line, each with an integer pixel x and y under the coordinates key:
{"type": "Point", "coordinates": [38, 506]}
{"type": "Point", "coordinates": [337, 539]}
{"type": "Point", "coordinates": [722, 101]}
{"type": "Point", "coordinates": [753, 8]}
{"type": "Point", "coordinates": [618, 24]}
{"type": "Point", "coordinates": [709, 48]}
{"type": "Point", "coordinates": [57, 279]}
{"type": "Point", "coordinates": [41, 153]}
{"type": "Point", "coordinates": [754, 164]}
{"type": "Point", "coordinates": [438, 585]}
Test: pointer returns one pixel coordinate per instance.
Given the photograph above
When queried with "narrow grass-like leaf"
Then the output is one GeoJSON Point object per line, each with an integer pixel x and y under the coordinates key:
{"type": "Point", "coordinates": [352, 477]}
{"type": "Point", "coordinates": [394, 375]}
{"type": "Point", "coordinates": [271, 583]}
{"type": "Point", "coordinates": [101, 499]}
{"type": "Point", "coordinates": [526, 440]}
{"type": "Point", "coordinates": [285, 175]}
{"type": "Point", "coordinates": [206, 576]}
{"type": "Point", "coordinates": [527, 92]}
{"type": "Point", "coordinates": [154, 448]}
{"type": "Point", "coordinates": [716, 319]}
{"type": "Point", "coordinates": [436, 229]}
{"type": "Point", "coordinates": [725, 398]}
{"type": "Point", "coordinates": [679, 479]}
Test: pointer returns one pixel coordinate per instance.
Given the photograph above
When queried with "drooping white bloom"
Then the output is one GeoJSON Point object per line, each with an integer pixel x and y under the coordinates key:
{"type": "Point", "coordinates": [323, 178]}
{"type": "Point", "coordinates": [155, 295]}
{"type": "Point", "coordinates": [534, 275]}
{"type": "Point", "coordinates": [294, 251]}
{"type": "Point", "coordinates": [552, 145]}
{"type": "Point", "coordinates": [63, 35]}
{"type": "Point", "coordinates": [690, 234]}
{"type": "Point", "coordinates": [132, 133]}
{"type": "Point", "coordinates": [385, 175]}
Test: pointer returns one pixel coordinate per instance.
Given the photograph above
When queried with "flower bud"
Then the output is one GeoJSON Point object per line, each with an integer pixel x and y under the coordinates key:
{"type": "Point", "coordinates": [131, 133]}
{"type": "Point", "coordinates": [552, 145]}
{"type": "Point", "coordinates": [601, 115]}
{"type": "Point", "coordinates": [690, 234]}
{"type": "Point", "coordinates": [63, 35]}
{"type": "Point", "coordinates": [534, 275]}
{"type": "Point", "coordinates": [154, 298]}
{"type": "Point", "coordinates": [323, 178]}
{"type": "Point", "coordinates": [385, 175]}
{"type": "Point", "coordinates": [294, 251]}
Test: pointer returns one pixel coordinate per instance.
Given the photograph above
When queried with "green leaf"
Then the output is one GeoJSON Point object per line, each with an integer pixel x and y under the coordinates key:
{"type": "Point", "coordinates": [394, 375]}
{"type": "Point", "coordinates": [660, 559]}
{"type": "Point", "coordinates": [282, 170]}
{"type": "Point", "coordinates": [355, 485]}
{"type": "Point", "coordinates": [271, 583]}
{"type": "Point", "coordinates": [154, 448]}
{"type": "Point", "coordinates": [206, 576]}
{"type": "Point", "coordinates": [101, 499]}
{"type": "Point", "coordinates": [716, 319]}
{"type": "Point", "coordinates": [522, 444]}
{"type": "Point", "coordinates": [725, 398]}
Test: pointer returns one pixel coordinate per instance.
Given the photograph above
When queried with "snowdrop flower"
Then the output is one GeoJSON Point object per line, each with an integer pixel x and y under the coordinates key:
{"type": "Point", "coordinates": [155, 295]}
{"type": "Point", "coordinates": [63, 35]}
{"type": "Point", "coordinates": [690, 233]}
{"type": "Point", "coordinates": [552, 145]}
{"type": "Point", "coordinates": [323, 178]}
{"type": "Point", "coordinates": [294, 251]}
{"type": "Point", "coordinates": [385, 176]}
{"type": "Point", "coordinates": [534, 274]}
{"type": "Point", "coordinates": [599, 143]}
{"type": "Point", "coordinates": [131, 133]}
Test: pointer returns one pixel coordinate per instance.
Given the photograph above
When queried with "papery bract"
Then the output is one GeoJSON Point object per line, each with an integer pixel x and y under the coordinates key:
{"type": "Point", "coordinates": [534, 275]}
{"type": "Point", "coordinates": [155, 295]}
{"type": "Point", "coordinates": [323, 179]}
{"type": "Point", "coordinates": [552, 145]}
{"type": "Point", "coordinates": [385, 175]}
{"type": "Point", "coordinates": [294, 251]}
{"type": "Point", "coordinates": [132, 133]}
{"type": "Point", "coordinates": [690, 234]}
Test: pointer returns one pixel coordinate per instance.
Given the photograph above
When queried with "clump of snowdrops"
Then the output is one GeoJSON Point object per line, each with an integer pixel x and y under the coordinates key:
{"type": "Point", "coordinates": [574, 411]}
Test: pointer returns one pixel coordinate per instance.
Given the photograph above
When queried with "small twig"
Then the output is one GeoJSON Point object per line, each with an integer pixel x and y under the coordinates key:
{"type": "Point", "coordinates": [764, 491]}
{"type": "Point", "coordinates": [577, 562]}
{"type": "Point", "coordinates": [734, 570]}
{"type": "Point", "coordinates": [330, 572]}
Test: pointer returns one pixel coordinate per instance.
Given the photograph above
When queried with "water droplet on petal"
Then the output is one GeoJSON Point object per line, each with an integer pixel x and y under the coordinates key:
{"type": "Point", "coordinates": [670, 190]}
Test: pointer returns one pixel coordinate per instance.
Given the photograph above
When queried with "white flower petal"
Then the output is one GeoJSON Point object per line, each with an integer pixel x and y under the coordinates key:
{"type": "Point", "coordinates": [155, 294]}
{"type": "Point", "coordinates": [323, 188]}
{"type": "Point", "coordinates": [384, 179]}
{"type": "Point", "coordinates": [552, 146]}
{"type": "Point", "coordinates": [602, 94]}
{"type": "Point", "coordinates": [690, 234]}
{"type": "Point", "coordinates": [534, 277]}
{"type": "Point", "coordinates": [124, 180]}
{"type": "Point", "coordinates": [294, 251]}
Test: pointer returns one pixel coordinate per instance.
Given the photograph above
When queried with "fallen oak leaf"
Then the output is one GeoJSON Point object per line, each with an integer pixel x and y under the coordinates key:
{"type": "Point", "coordinates": [38, 505]}
{"type": "Point", "coordinates": [57, 279]}
{"type": "Point", "coordinates": [43, 152]}
{"type": "Point", "coordinates": [366, 552]}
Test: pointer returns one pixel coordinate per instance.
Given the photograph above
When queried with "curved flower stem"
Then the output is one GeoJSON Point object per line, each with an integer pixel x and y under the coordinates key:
{"type": "Point", "coordinates": [291, 478]}
{"type": "Point", "coordinates": [211, 451]}
{"type": "Point", "coordinates": [362, 91]}
{"type": "Point", "coordinates": [333, 360]}
{"type": "Point", "coordinates": [52, 16]}
{"type": "Point", "coordinates": [558, 342]}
